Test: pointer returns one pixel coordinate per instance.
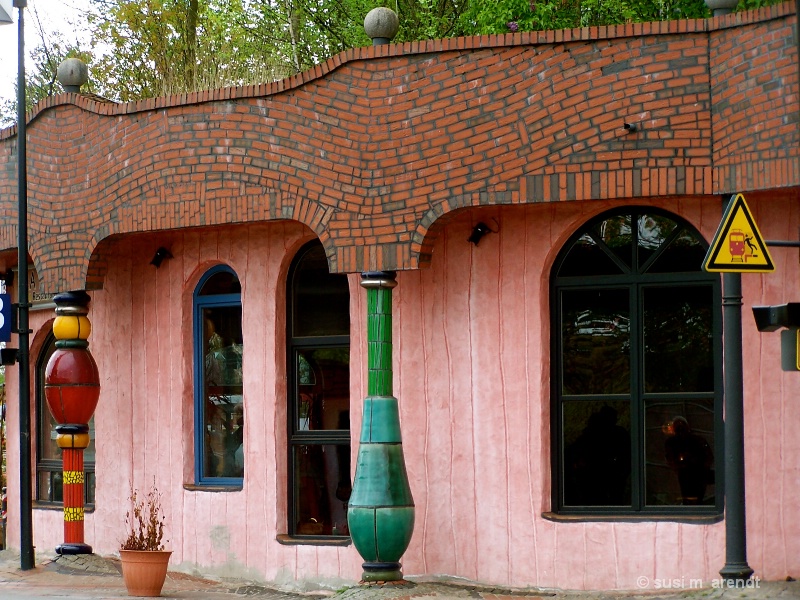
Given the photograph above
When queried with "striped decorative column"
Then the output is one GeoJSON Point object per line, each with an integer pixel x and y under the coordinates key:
{"type": "Point", "coordinates": [380, 512]}
{"type": "Point", "coordinates": [72, 389]}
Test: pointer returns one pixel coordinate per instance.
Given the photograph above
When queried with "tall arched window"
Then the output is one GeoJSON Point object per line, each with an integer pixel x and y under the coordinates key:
{"type": "Point", "coordinates": [636, 379]}
{"type": "Point", "coordinates": [318, 339]}
{"type": "Point", "coordinates": [49, 463]}
{"type": "Point", "coordinates": [219, 406]}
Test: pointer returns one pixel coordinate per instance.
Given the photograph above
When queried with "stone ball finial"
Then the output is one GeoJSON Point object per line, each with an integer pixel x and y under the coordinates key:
{"type": "Point", "coordinates": [381, 24]}
{"type": "Point", "coordinates": [72, 73]}
{"type": "Point", "coordinates": [721, 7]}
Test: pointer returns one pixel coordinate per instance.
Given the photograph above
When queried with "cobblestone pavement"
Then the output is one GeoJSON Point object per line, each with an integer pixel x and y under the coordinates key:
{"type": "Point", "coordinates": [92, 577]}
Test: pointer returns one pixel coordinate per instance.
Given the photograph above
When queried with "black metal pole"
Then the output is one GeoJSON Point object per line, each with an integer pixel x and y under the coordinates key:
{"type": "Point", "coordinates": [736, 567]}
{"type": "Point", "coordinates": [25, 501]}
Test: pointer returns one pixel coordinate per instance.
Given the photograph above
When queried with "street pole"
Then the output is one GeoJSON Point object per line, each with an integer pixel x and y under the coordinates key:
{"type": "Point", "coordinates": [736, 567]}
{"type": "Point", "coordinates": [25, 501]}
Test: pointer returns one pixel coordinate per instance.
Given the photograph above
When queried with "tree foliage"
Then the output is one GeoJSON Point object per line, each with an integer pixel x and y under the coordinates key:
{"type": "Point", "coordinates": [46, 50]}
{"type": "Point", "coordinates": [158, 47]}
{"type": "Point", "coordinates": [506, 16]}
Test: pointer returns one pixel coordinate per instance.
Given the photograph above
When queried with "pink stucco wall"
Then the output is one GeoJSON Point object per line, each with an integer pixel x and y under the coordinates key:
{"type": "Point", "coordinates": [472, 366]}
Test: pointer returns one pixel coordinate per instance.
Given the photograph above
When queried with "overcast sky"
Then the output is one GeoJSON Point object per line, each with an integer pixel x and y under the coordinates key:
{"type": "Point", "coordinates": [53, 15]}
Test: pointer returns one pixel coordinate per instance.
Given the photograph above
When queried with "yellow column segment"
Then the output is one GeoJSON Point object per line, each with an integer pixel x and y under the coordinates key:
{"type": "Point", "coordinates": [72, 327]}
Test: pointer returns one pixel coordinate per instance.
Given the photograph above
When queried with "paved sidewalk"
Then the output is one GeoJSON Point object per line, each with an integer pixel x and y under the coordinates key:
{"type": "Point", "coordinates": [92, 577]}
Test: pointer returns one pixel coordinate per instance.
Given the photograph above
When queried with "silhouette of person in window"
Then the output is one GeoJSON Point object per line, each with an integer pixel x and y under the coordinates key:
{"type": "Point", "coordinates": [691, 458]}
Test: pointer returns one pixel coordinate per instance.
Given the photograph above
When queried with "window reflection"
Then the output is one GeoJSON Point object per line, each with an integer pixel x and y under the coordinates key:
{"type": "Point", "coordinates": [586, 257]}
{"type": "Point", "coordinates": [596, 341]}
{"type": "Point", "coordinates": [323, 476]}
{"type": "Point", "coordinates": [318, 332]}
{"type": "Point", "coordinates": [224, 409]}
{"type": "Point", "coordinates": [323, 393]}
{"type": "Point", "coordinates": [679, 453]}
{"type": "Point", "coordinates": [320, 300]}
{"type": "Point", "coordinates": [678, 324]}
{"type": "Point", "coordinates": [616, 233]}
{"type": "Point", "coordinates": [683, 254]}
{"type": "Point", "coordinates": [636, 405]}
{"type": "Point", "coordinates": [219, 363]}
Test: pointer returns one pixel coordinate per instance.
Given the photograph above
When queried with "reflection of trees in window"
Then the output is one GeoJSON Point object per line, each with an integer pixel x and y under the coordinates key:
{"type": "Point", "coordinates": [318, 339]}
{"type": "Point", "coordinates": [637, 333]}
{"type": "Point", "coordinates": [219, 355]}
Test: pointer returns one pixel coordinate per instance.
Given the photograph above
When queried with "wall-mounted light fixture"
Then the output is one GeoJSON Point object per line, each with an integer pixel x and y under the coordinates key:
{"type": "Point", "coordinates": [161, 254]}
{"type": "Point", "coordinates": [629, 127]}
{"type": "Point", "coordinates": [480, 230]}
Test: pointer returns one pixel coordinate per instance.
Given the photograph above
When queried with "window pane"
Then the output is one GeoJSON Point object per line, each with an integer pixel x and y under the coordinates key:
{"type": "Point", "coordinates": [678, 327]}
{"type": "Point", "coordinates": [50, 486]}
{"type": "Point", "coordinates": [652, 230]}
{"type": "Point", "coordinates": [223, 413]}
{"type": "Point", "coordinates": [88, 489]}
{"type": "Point", "coordinates": [224, 282]}
{"type": "Point", "coordinates": [89, 453]}
{"type": "Point", "coordinates": [48, 448]}
{"type": "Point", "coordinates": [616, 233]}
{"type": "Point", "coordinates": [679, 453]}
{"type": "Point", "coordinates": [323, 388]}
{"type": "Point", "coordinates": [224, 426]}
{"type": "Point", "coordinates": [322, 489]}
{"type": "Point", "coordinates": [596, 341]}
{"type": "Point", "coordinates": [587, 258]}
{"type": "Point", "coordinates": [321, 300]}
{"type": "Point", "coordinates": [597, 453]}
{"type": "Point", "coordinates": [223, 345]}
{"type": "Point", "coordinates": [684, 254]}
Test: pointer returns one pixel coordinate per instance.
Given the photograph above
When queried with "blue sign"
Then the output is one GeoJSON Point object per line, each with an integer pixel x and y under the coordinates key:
{"type": "Point", "coordinates": [5, 317]}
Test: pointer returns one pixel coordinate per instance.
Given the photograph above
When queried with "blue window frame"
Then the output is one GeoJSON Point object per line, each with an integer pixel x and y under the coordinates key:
{"type": "Point", "coordinates": [218, 392]}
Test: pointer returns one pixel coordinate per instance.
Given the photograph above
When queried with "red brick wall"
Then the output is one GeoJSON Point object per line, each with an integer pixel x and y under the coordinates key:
{"type": "Point", "coordinates": [373, 147]}
{"type": "Point", "coordinates": [754, 77]}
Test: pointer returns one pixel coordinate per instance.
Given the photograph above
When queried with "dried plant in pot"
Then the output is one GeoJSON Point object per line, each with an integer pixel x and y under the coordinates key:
{"type": "Point", "coordinates": [144, 559]}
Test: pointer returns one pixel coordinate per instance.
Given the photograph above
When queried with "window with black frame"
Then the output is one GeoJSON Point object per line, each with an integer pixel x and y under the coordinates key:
{"type": "Point", "coordinates": [318, 359]}
{"type": "Point", "coordinates": [219, 401]}
{"type": "Point", "coordinates": [49, 462]}
{"type": "Point", "coordinates": [636, 383]}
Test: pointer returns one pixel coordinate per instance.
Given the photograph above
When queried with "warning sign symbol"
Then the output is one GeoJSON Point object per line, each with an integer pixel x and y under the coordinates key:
{"type": "Point", "coordinates": [738, 246]}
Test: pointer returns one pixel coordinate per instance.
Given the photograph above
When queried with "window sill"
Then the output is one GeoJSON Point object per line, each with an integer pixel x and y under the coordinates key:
{"type": "Point", "coordinates": [292, 540]}
{"type": "Point", "coordinates": [708, 519]}
{"type": "Point", "coordinates": [191, 487]}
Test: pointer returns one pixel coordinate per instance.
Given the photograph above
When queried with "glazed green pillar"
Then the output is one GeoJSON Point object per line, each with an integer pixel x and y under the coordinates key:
{"type": "Point", "coordinates": [380, 512]}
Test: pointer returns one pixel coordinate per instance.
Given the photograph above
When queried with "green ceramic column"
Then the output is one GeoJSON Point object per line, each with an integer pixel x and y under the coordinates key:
{"type": "Point", "coordinates": [380, 512]}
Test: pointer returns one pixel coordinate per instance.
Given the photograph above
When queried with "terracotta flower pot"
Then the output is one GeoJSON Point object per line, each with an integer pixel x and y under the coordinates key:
{"type": "Point", "coordinates": [144, 571]}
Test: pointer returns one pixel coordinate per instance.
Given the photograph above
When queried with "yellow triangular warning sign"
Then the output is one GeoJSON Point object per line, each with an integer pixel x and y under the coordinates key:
{"type": "Point", "coordinates": [738, 246]}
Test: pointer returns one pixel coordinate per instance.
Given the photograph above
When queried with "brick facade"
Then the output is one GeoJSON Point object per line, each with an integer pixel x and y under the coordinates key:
{"type": "Point", "coordinates": [374, 147]}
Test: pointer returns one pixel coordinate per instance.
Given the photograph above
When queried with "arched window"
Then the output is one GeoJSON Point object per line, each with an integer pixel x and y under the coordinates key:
{"type": "Point", "coordinates": [219, 407]}
{"type": "Point", "coordinates": [49, 463]}
{"type": "Point", "coordinates": [636, 373]}
{"type": "Point", "coordinates": [318, 339]}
